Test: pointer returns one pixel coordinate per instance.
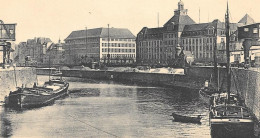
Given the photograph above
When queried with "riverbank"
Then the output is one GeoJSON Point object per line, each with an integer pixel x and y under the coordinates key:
{"type": "Point", "coordinates": [13, 77]}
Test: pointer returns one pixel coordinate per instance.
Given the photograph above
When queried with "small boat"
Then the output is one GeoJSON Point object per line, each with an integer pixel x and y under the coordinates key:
{"type": "Point", "coordinates": [186, 119]}
{"type": "Point", "coordinates": [37, 96]}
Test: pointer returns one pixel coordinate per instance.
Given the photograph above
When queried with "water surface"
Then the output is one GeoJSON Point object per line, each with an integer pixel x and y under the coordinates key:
{"type": "Point", "coordinates": [109, 109]}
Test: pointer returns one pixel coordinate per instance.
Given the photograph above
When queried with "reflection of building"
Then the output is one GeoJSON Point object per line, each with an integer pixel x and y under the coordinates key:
{"type": "Point", "coordinates": [158, 45]}
{"type": "Point", "coordinates": [87, 46]}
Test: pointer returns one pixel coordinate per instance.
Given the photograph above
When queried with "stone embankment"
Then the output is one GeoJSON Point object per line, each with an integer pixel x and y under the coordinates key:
{"type": "Point", "coordinates": [11, 78]}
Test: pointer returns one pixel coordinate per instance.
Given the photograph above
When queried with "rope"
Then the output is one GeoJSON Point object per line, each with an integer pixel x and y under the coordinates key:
{"type": "Point", "coordinates": [247, 84]}
{"type": "Point", "coordinates": [15, 77]}
{"type": "Point", "coordinates": [92, 126]}
{"type": "Point", "coordinates": [235, 81]}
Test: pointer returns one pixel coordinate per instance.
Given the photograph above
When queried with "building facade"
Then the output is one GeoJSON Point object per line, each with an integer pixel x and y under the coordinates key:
{"type": "Point", "coordinates": [201, 39]}
{"type": "Point", "coordinates": [54, 55]}
{"type": "Point", "coordinates": [158, 45]}
{"type": "Point", "coordinates": [35, 52]}
{"type": "Point", "coordinates": [100, 45]}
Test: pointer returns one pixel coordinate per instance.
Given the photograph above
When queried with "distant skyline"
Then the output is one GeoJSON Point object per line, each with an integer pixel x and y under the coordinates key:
{"type": "Point", "coordinates": [58, 18]}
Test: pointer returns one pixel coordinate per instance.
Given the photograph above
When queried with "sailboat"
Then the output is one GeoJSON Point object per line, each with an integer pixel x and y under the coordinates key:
{"type": "Point", "coordinates": [228, 116]}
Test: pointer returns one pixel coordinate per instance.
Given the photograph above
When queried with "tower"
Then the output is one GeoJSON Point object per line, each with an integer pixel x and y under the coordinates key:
{"type": "Point", "coordinates": [180, 10]}
{"type": "Point", "coordinates": [180, 5]}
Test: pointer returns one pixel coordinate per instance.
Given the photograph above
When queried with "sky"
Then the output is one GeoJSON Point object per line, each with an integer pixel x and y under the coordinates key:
{"type": "Point", "coordinates": [58, 18]}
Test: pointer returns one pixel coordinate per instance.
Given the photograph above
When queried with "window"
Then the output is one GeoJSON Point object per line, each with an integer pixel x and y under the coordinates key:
{"type": "Point", "coordinates": [255, 31]}
{"type": "Point", "coordinates": [246, 29]}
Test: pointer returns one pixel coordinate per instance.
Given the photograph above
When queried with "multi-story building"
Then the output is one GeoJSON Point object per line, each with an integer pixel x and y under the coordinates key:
{"type": "Point", "coordinates": [95, 45]}
{"type": "Point", "coordinates": [37, 51]}
{"type": "Point", "coordinates": [54, 55]}
{"type": "Point", "coordinates": [201, 39]}
{"type": "Point", "coordinates": [33, 48]}
{"type": "Point", "coordinates": [158, 45]}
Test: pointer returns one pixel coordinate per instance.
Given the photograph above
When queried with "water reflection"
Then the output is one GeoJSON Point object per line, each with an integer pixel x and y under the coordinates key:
{"type": "Point", "coordinates": [108, 109]}
{"type": "Point", "coordinates": [6, 128]}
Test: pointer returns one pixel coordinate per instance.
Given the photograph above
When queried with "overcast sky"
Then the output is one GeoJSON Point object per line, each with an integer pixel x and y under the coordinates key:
{"type": "Point", "coordinates": [57, 18]}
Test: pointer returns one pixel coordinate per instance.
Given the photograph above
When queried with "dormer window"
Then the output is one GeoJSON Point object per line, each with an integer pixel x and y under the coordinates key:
{"type": "Point", "coordinates": [246, 29]}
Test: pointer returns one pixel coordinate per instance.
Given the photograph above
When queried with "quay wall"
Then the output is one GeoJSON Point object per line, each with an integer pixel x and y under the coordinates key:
{"type": "Point", "coordinates": [11, 78]}
{"type": "Point", "coordinates": [244, 82]}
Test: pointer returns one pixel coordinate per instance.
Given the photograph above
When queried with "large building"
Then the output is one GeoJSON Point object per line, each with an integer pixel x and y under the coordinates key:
{"type": "Point", "coordinates": [158, 45]}
{"type": "Point", "coordinates": [94, 46]}
{"type": "Point", "coordinates": [201, 39]}
{"type": "Point", "coordinates": [37, 51]}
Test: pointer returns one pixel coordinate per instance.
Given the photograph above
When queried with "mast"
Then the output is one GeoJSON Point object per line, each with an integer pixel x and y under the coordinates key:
{"type": "Point", "coordinates": [86, 44]}
{"type": "Point", "coordinates": [215, 58]}
{"type": "Point", "coordinates": [158, 19]}
{"type": "Point", "coordinates": [228, 53]}
{"type": "Point", "coordinates": [49, 66]}
{"type": "Point", "coordinates": [108, 55]}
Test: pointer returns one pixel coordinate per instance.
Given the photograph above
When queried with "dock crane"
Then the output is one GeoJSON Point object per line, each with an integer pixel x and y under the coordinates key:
{"type": "Point", "coordinates": [7, 33]}
{"type": "Point", "coordinates": [250, 36]}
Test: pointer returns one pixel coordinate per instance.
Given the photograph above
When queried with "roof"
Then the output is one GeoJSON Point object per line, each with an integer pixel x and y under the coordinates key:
{"type": "Point", "coordinates": [154, 30]}
{"type": "Point", "coordinates": [101, 32]}
{"type": "Point", "coordinates": [38, 40]}
{"type": "Point", "coordinates": [196, 27]}
{"type": "Point", "coordinates": [247, 20]}
{"type": "Point", "coordinates": [180, 20]}
{"type": "Point", "coordinates": [204, 26]}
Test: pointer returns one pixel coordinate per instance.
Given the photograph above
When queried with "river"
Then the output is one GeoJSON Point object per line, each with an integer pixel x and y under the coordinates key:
{"type": "Point", "coordinates": [109, 109]}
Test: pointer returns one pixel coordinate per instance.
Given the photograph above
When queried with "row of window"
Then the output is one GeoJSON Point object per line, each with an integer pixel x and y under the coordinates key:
{"type": "Point", "coordinates": [199, 48]}
{"type": "Point", "coordinates": [118, 50]}
{"type": "Point", "coordinates": [83, 40]}
{"type": "Point", "coordinates": [119, 55]}
{"type": "Point", "coordinates": [155, 50]}
{"type": "Point", "coordinates": [118, 44]}
{"type": "Point", "coordinates": [118, 39]}
{"type": "Point", "coordinates": [255, 30]}
{"type": "Point", "coordinates": [151, 43]}
{"type": "Point", "coordinates": [197, 40]}
{"type": "Point", "coordinates": [208, 32]}
{"type": "Point", "coordinates": [170, 36]}
{"type": "Point", "coordinates": [149, 36]}
{"type": "Point", "coordinates": [170, 42]}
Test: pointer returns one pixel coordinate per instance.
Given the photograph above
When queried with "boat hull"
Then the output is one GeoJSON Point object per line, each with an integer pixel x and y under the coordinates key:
{"type": "Point", "coordinates": [29, 100]}
{"type": "Point", "coordinates": [186, 119]}
{"type": "Point", "coordinates": [227, 129]}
